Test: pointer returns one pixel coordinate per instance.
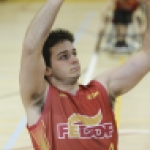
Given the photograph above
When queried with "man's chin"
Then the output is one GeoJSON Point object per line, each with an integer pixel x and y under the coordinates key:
{"type": "Point", "coordinates": [74, 79]}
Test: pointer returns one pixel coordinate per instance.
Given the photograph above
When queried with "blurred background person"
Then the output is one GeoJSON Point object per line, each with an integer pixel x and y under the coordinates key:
{"type": "Point", "coordinates": [121, 13]}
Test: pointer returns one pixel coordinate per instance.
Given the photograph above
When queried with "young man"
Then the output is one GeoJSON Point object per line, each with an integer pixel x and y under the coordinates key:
{"type": "Point", "coordinates": [61, 114]}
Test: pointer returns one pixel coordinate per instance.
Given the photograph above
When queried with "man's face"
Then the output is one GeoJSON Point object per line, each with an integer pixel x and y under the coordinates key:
{"type": "Point", "coordinates": [65, 64]}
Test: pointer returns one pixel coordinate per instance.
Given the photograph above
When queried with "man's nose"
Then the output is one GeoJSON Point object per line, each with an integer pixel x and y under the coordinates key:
{"type": "Point", "coordinates": [73, 59]}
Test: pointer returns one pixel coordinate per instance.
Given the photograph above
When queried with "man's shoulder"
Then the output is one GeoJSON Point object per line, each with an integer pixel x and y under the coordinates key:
{"type": "Point", "coordinates": [96, 84]}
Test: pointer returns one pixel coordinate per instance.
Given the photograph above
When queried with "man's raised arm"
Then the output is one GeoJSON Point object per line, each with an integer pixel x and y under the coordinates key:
{"type": "Point", "coordinates": [41, 24]}
{"type": "Point", "coordinates": [123, 78]}
{"type": "Point", "coordinates": [32, 83]}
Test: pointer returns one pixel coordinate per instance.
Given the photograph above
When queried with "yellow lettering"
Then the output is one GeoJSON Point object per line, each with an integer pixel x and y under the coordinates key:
{"type": "Point", "coordinates": [111, 146]}
{"type": "Point", "coordinates": [93, 95]}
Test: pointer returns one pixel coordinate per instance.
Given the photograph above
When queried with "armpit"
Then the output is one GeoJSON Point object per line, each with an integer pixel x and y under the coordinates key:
{"type": "Point", "coordinates": [112, 101]}
{"type": "Point", "coordinates": [38, 101]}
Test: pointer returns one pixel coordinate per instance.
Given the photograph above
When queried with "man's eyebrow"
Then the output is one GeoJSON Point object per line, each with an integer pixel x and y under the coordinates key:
{"type": "Point", "coordinates": [64, 51]}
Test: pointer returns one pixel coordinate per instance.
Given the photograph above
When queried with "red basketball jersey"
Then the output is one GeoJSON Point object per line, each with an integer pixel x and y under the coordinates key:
{"type": "Point", "coordinates": [129, 5]}
{"type": "Point", "coordinates": [81, 122]}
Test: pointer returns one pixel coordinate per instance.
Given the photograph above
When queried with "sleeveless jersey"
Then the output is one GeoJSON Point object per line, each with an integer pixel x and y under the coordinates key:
{"type": "Point", "coordinates": [81, 122]}
{"type": "Point", "coordinates": [129, 5]}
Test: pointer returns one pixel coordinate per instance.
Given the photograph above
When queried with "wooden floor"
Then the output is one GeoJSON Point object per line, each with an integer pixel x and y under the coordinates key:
{"type": "Point", "coordinates": [82, 18]}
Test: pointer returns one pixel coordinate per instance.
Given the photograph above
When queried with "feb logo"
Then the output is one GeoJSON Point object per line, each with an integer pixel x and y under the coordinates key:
{"type": "Point", "coordinates": [84, 127]}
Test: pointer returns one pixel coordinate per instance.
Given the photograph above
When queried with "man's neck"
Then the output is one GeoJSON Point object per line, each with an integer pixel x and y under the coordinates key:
{"type": "Point", "coordinates": [66, 86]}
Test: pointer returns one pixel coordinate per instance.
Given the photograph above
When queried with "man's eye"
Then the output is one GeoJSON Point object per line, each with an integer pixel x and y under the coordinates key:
{"type": "Point", "coordinates": [63, 57]}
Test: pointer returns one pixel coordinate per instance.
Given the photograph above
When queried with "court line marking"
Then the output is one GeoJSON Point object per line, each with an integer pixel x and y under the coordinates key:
{"type": "Point", "coordinates": [134, 131]}
{"type": "Point", "coordinates": [22, 124]}
{"type": "Point", "coordinates": [118, 101]}
{"type": "Point", "coordinates": [9, 95]}
{"type": "Point", "coordinates": [91, 68]}
{"type": "Point", "coordinates": [83, 27]}
{"type": "Point", "coordinates": [16, 134]}
{"type": "Point", "coordinates": [118, 110]}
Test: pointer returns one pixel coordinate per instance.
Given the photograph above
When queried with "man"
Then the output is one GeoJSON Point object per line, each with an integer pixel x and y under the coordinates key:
{"type": "Point", "coordinates": [61, 114]}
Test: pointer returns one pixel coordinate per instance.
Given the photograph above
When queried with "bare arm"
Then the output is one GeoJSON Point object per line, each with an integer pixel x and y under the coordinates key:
{"type": "Point", "coordinates": [125, 77]}
{"type": "Point", "coordinates": [32, 83]}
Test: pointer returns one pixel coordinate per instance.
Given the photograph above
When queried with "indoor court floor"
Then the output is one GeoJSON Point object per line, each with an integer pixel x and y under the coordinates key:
{"type": "Point", "coordinates": [83, 19]}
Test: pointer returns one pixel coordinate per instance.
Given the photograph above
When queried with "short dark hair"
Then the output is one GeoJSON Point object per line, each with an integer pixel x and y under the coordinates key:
{"type": "Point", "coordinates": [55, 37]}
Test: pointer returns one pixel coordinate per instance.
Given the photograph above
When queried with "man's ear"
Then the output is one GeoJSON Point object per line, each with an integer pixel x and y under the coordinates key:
{"type": "Point", "coordinates": [48, 71]}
